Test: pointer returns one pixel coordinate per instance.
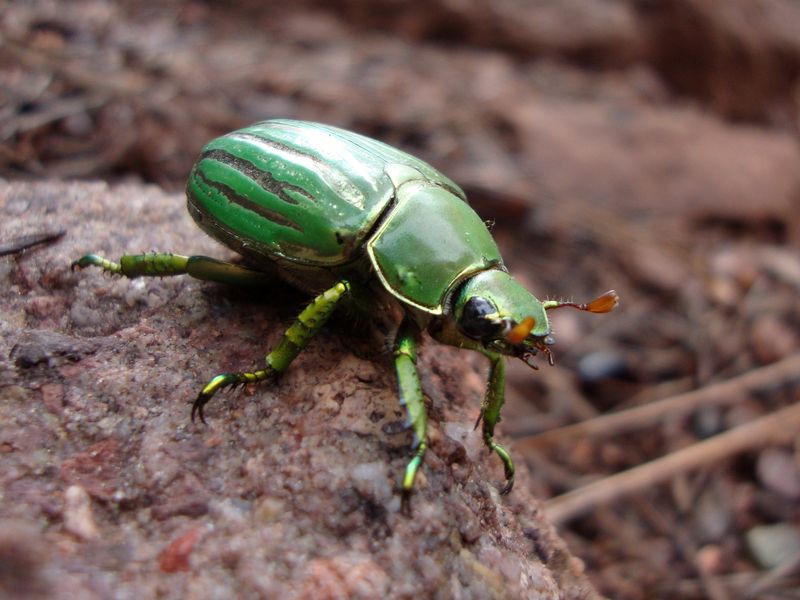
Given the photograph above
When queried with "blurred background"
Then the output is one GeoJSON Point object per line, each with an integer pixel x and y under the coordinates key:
{"type": "Point", "coordinates": [647, 146]}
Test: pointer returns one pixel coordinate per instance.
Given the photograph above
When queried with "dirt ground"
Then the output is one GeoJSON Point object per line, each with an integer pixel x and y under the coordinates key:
{"type": "Point", "coordinates": [649, 147]}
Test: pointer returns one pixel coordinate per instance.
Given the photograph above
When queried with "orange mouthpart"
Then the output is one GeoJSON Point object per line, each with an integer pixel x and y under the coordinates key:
{"type": "Point", "coordinates": [521, 330]}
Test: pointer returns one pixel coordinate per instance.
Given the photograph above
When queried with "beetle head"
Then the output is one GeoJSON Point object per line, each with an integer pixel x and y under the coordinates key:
{"type": "Point", "coordinates": [495, 311]}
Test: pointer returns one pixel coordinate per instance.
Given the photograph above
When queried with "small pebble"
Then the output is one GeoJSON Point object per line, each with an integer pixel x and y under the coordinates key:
{"type": "Point", "coordinates": [708, 421]}
{"type": "Point", "coordinates": [772, 545]}
{"type": "Point", "coordinates": [176, 556]}
{"type": "Point", "coordinates": [713, 513]}
{"type": "Point", "coordinates": [372, 482]}
{"type": "Point", "coordinates": [78, 517]}
{"type": "Point", "coordinates": [772, 339]}
{"type": "Point", "coordinates": [778, 470]}
{"type": "Point", "coordinates": [53, 397]}
{"type": "Point", "coordinates": [597, 366]}
{"type": "Point", "coordinates": [711, 559]}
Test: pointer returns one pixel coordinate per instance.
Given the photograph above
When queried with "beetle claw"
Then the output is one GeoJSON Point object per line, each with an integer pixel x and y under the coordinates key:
{"type": "Point", "coordinates": [528, 360]}
{"type": "Point", "coordinates": [478, 420]}
{"type": "Point", "coordinates": [405, 503]}
{"type": "Point", "coordinates": [549, 355]}
{"type": "Point", "coordinates": [197, 407]}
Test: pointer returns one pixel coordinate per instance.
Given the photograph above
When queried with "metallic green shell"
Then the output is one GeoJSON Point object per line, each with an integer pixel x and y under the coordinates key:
{"type": "Point", "coordinates": [303, 192]}
{"type": "Point", "coordinates": [307, 195]}
{"type": "Point", "coordinates": [429, 243]}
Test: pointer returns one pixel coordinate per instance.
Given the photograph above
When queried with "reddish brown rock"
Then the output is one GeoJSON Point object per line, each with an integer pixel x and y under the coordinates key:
{"type": "Point", "coordinates": [293, 485]}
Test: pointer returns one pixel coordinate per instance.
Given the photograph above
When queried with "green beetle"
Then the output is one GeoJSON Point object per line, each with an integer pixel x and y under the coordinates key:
{"type": "Point", "coordinates": [354, 220]}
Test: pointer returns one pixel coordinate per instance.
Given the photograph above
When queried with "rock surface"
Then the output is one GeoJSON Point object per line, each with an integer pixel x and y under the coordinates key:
{"type": "Point", "coordinates": [109, 490]}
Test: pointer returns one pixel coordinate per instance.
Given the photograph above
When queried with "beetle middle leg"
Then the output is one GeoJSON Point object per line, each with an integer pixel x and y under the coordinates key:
{"type": "Point", "coordinates": [490, 415]}
{"type": "Point", "coordinates": [297, 337]}
{"type": "Point", "coordinates": [405, 361]}
{"type": "Point", "coordinates": [163, 264]}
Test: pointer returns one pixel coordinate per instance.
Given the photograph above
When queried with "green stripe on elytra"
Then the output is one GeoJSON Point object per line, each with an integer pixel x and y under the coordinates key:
{"type": "Point", "coordinates": [335, 178]}
{"type": "Point", "coordinates": [263, 178]}
{"type": "Point", "coordinates": [235, 198]}
{"type": "Point", "coordinates": [279, 147]}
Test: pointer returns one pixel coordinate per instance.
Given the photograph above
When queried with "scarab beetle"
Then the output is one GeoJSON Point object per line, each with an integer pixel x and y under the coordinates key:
{"type": "Point", "coordinates": [356, 221]}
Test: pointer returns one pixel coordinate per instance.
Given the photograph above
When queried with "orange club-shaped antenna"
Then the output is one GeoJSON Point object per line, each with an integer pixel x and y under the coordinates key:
{"type": "Point", "coordinates": [602, 304]}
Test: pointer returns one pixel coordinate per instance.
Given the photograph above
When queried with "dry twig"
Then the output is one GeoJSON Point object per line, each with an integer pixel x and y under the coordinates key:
{"type": "Point", "coordinates": [776, 428]}
{"type": "Point", "coordinates": [784, 372]}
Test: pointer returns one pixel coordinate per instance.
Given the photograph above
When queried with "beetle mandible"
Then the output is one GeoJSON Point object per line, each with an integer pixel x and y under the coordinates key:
{"type": "Point", "coordinates": [354, 220]}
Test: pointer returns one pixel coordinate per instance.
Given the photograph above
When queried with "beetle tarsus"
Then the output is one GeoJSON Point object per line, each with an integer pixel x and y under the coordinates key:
{"type": "Point", "coordinates": [508, 486]}
{"type": "Point", "coordinates": [95, 260]}
{"type": "Point", "coordinates": [211, 388]}
{"type": "Point", "coordinates": [227, 380]}
{"type": "Point", "coordinates": [405, 503]}
{"type": "Point", "coordinates": [508, 465]}
{"type": "Point", "coordinates": [82, 262]}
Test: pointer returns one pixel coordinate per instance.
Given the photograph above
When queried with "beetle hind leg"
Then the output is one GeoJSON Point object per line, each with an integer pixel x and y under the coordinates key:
{"type": "Point", "coordinates": [164, 264]}
{"type": "Point", "coordinates": [294, 339]}
{"type": "Point", "coordinates": [490, 415]}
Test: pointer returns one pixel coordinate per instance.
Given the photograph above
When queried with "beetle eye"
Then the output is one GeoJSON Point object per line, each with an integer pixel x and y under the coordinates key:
{"type": "Point", "coordinates": [476, 321]}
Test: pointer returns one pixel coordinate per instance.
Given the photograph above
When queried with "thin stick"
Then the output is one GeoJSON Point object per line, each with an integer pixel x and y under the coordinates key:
{"type": "Point", "coordinates": [27, 241]}
{"type": "Point", "coordinates": [776, 428]}
{"type": "Point", "coordinates": [775, 578]}
{"type": "Point", "coordinates": [783, 372]}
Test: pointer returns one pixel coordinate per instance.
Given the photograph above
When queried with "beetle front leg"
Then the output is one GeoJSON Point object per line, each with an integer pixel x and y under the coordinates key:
{"type": "Point", "coordinates": [405, 361]}
{"type": "Point", "coordinates": [164, 264]}
{"type": "Point", "coordinates": [490, 414]}
{"type": "Point", "coordinates": [297, 337]}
